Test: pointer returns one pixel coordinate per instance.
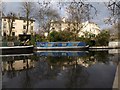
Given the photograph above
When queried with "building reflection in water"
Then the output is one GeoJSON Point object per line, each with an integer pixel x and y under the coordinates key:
{"type": "Point", "coordinates": [14, 64]}
{"type": "Point", "coordinates": [71, 69]}
{"type": "Point", "coordinates": [18, 65]}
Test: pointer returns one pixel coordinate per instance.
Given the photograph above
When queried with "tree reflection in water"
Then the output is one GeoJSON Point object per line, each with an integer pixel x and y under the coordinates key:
{"type": "Point", "coordinates": [73, 69]}
{"type": "Point", "coordinates": [13, 65]}
{"type": "Point", "coordinates": [11, 72]}
{"type": "Point", "coordinates": [26, 80]}
{"type": "Point", "coordinates": [75, 75]}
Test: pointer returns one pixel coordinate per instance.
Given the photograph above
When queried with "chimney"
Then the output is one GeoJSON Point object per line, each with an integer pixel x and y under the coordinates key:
{"type": "Point", "coordinates": [18, 15]}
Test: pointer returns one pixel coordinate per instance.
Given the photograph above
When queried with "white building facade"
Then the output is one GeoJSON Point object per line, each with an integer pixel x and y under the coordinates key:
{"type": "Point", "coordinates": [19, 26]}
{"type": "Point", "coordinates": [86, 27]}
{"type": "Point", "coordinates": [90, 28]}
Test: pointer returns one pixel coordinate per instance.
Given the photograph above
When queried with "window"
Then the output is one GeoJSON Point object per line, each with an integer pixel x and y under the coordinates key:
{"type": "Point", "coordinates": [4, 19]}
{"type": "Point", "coordinates": [24, 21]}
{"type": "Point", "coordinates": [31, 21]}
{"type": "Point", "coordinates": [23, 61]}
{"type": "Point", "coordinates": [31, 27]}
{"type": "Point", "coordinates": [24, 27]}
{"type": "Point", "coordinates": [13, 27]}
{"type": "Point", "coordinates": [4, 33]}
{"type": "Point", "coordinates": [13, 20]}
{"type": "Point", "coordinates": [4, 25]}
{"type": "Point", "coordinates": [13, 33]}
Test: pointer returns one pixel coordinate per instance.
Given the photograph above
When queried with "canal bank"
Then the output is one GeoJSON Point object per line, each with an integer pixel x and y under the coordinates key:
{"type": "Point", "coordinates": [103, 47]}
{"type": "Point", "coordinates": [30, 49]}
{"type": "Point", "coordinates": [116, 83]}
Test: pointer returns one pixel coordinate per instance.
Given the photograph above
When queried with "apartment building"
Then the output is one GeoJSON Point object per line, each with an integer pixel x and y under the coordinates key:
{"type": "Point", "coordinates": [90, 28]}
{"type": "Point", "coordinates": [19, 26]}
{"type": "Point", "coordinates": [85, 27]}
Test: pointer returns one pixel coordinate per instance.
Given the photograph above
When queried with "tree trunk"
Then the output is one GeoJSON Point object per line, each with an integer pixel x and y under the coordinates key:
{"type": "Point", "coordinates": [27, 23]}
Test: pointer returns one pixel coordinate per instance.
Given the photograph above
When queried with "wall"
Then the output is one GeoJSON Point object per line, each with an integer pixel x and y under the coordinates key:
{"type": "Point", "coordinates": [18, 24]}
{"type": "Point", "coordinates": [114, 44]}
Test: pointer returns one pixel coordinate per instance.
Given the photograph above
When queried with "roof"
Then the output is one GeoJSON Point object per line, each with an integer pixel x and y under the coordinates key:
{"type": "Point", "coordinates": [60, 21]}
{"type": "Point", "coordinates": [20, 18]}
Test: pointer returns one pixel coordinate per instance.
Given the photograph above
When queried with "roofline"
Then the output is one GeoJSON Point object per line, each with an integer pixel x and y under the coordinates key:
{"type": "Point", "coordinates": [19, 18]}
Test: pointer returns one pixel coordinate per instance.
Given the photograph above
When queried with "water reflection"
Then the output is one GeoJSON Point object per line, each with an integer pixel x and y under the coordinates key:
{"type": "Point", "coordinates": [54, 69]}
{"type": "Point", "coordinates": [15, 63]}
{"type": "Point", "coordinates": [61, 53]}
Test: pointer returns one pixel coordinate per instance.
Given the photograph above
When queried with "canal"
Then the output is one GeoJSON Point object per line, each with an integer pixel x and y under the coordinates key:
{"type": "Point", "coordinates": [82, 69]}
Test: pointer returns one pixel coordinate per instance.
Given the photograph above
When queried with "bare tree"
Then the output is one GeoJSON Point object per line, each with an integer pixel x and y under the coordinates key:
{"type": "Point", "coordinates": [79, 12]}
{"type": "Point", "coordinates": [27, 9]}
{"type": "Point", "coordinates": [2, 9]}
{"type": "Point", "coordinates": [114, 19]}
{"type": "Point", "coordinates": [0, 16]}
{"type": "Point", "coordinates": [11, 17]}
{"type": "Point", "coordinates": [46, 13]}
{"type": "Point", "coordinates": [114, 8]}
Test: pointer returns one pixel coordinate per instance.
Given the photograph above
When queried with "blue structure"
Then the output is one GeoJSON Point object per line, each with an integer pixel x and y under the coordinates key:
{"type": "Point", "coordinates": [61, 45]}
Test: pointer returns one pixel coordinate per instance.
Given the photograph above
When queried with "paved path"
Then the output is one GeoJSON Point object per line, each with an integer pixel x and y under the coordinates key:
{"type": "Point", "coordinates": [116, 83]}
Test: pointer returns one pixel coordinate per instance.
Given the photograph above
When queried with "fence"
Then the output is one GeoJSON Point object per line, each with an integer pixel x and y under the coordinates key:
{"type": "Point", "coordinates": [9, 44]}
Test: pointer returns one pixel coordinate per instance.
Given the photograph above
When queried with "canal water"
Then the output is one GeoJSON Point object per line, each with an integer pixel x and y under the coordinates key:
{"type": "Point", "coordinates": [72, 69]}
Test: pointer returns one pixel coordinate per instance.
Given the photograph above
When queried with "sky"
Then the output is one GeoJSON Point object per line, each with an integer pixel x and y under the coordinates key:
{"type": "Point", "coordinates": [102, 12]}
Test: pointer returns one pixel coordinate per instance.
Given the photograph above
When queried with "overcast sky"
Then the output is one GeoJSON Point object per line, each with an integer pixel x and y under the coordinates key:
{"type": "Point", "coordinates": [102, 12]}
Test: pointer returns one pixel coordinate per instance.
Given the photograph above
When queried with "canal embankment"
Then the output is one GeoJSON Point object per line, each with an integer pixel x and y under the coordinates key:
{"type": "Point", "coordinates": [116, 83]}
{"type": "Point", "coordinates": [103, 47]}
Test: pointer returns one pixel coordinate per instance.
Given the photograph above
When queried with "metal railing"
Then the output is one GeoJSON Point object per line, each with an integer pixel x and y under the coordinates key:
{"type": "Point", "coordinates": [10, 44]}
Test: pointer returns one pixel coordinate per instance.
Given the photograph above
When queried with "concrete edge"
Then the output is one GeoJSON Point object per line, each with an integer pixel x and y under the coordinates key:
{"type": "Point", "coordinates": [116, 83]}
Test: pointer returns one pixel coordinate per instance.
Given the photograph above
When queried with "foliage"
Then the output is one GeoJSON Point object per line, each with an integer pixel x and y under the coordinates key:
{"type": "Point", "coordinates": [61, 36]}
{"type": "Point", "coordinates": [36, 38]}
{"type": "Point", "coordinates": [39, 37]}
{"type": "Point", "coordinates": [90, 39]}
{"type": "Point", "coordinates": [9, 38]}
{"type": "Point", "coordinates": [56, 36]}
{"type": "Point", "coordinates": [102, 38]}
{"type": "Point", "coordinates": [32, 41]}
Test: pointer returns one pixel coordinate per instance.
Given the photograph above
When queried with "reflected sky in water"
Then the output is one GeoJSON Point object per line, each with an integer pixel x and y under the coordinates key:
{"type": "Point", "coordinates": [81, 69]}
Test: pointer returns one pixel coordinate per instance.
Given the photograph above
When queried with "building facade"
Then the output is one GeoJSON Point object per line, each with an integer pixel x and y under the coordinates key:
{"type": "Point", "coordinates": [19, 26]}
{"type": "Point", "coordinates": [86, 27]}
{"type": "Point", "coordinates": [90, 28]}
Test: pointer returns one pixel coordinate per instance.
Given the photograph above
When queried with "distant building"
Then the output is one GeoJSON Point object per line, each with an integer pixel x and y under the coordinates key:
{"type": "Point", "coordinates": [89, 27]}
{"type": "Point", "coordinates": [59, 25]}
{"type": "Point", "coordinates": [19, 26]}
{"type": "Point", "coordinates": [86, 27]}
